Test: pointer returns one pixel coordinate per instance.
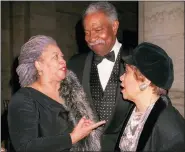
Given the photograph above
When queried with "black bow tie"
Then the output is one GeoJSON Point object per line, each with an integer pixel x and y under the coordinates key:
{"type": "Point", "coordinates": [110, 56]}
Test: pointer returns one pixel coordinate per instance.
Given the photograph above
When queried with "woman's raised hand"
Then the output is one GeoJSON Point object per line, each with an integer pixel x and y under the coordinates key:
{"type": "Point", "coordinates": [83, 129]}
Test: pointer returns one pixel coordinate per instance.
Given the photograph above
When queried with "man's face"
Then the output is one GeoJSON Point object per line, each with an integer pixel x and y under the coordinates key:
{"type": "Point", "coordinates": [100, 32]}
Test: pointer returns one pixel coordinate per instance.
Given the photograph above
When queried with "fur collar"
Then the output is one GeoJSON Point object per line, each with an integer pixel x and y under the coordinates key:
{"type": "Point", "coordinates": [77, 105]}
{"type": "Point", "coordinates": [151, 121]}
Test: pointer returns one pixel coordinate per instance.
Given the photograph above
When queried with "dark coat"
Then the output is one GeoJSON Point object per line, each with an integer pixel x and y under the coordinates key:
{"type": "Point", "coordinates": [37, 123]}
{"type": "Point", "coordinates": [81, 66]}
{"type": "Point", "coordinates": [163, 130]}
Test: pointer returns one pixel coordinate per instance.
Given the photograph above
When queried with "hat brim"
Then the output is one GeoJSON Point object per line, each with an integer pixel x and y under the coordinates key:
{"type": "Point", "coordinates": [128, 59]}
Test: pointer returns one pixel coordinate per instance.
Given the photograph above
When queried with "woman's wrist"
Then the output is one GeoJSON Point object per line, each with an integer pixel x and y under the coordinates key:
{"type": "Point", "coordinates": [73, 138]}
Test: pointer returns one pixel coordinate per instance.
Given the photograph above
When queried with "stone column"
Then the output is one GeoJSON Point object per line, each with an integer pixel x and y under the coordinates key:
{"type": "Point", "coordinates": [19, 25]}
{"type": "Point", "coordinates": [6, 55]}
{"type": "Point", "coordinates": [162, 23]}
{"type": "Point", "coordinates": [15, 30]}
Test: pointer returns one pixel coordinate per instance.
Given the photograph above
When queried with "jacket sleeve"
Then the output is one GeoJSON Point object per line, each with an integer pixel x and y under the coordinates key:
{"type": "Point", "coordinates": [175, 144]}
{"type": "Point", "coordinates": [23, 129]}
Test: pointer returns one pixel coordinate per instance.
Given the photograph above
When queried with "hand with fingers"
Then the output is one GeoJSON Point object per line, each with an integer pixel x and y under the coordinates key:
{"type": "Point", "coordinates": [84, 128]}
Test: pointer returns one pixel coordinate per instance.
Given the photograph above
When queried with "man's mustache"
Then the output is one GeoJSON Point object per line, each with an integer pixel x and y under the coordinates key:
{"type": "Point", "coordinates": [97, 42]}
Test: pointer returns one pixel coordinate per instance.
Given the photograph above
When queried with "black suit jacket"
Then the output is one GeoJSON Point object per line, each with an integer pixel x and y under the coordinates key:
{"type": "Point", "coordinates": [81, 66]}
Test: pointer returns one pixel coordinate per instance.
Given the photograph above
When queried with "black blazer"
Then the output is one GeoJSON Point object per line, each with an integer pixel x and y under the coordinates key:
{"type": "Point", "coordinates": [37, 123]}
{"type": "Point", "coordinates": [81, 66]}
{"type": "Point", "coordinates": [163, 130]}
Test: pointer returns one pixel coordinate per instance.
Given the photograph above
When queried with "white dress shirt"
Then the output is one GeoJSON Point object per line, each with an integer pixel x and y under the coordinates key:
{"type": "Point", "coordinates": [106, 66]}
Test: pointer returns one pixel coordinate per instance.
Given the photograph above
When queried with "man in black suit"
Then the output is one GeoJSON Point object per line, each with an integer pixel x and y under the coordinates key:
{"type": "Point", "coordinates": [100, 69]}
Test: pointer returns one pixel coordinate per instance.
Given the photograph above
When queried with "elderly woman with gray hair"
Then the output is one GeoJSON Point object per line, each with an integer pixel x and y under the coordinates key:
{"type": "Point", "coordinates": [50, 111]}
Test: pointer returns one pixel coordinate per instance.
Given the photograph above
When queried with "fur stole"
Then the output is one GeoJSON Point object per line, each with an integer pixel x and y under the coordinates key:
{"type": "Point", "coordinates": [77, 105]}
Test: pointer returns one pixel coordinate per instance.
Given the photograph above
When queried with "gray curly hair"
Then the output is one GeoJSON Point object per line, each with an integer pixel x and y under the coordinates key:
{"type": "Point", "coordinates": [105, 7]}
{"type": "Point", "coordinates": [30, 52]}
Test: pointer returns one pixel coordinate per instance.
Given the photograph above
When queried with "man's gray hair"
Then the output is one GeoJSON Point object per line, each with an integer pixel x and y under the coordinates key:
{"type": "Point", "coordinates": [30, 52]}
{"type": "Point", "coordinates": [105, 7]}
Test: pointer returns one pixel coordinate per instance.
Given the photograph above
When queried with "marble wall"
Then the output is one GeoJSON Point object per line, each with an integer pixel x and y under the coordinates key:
{"type": "Point", "coordinates": [162, 23]}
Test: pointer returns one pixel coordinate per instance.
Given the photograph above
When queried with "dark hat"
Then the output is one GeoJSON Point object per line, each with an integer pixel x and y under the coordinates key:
{"type": "Point", "coordinates": [154, 63]}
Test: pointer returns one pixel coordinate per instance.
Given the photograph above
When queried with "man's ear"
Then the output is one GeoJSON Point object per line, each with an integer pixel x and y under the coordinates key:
{"type": "Point", "coordinates": [115, 27]}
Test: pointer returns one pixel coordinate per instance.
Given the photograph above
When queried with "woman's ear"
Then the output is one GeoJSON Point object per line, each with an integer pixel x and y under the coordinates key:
{"type": "Point", "coordinates": [144, 84]}
{"type": "Point", "coordinates": [147, 82]}
{"type": "Point", "coordinates": [37, 65]}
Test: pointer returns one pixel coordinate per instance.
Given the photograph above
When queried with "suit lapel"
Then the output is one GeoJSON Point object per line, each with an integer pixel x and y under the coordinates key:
{"type": "Point", "coordinates": [159, 106]}
{"type": "Point", "coordinates": [86, 74]}
{"type": "Point", "coordinates": [122, 107]}
{"type": "Point", "coordinates": [86, 82]}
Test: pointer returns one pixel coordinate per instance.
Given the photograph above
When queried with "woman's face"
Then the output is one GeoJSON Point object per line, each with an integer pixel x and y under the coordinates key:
{"type": "Point", "coordinates": [52, 63]}
{"type": "Point", "coordinates": [129, 84]}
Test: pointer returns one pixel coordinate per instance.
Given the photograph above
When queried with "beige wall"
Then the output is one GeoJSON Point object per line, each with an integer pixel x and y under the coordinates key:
{"type": "Point", "coordinates": [162, 23]}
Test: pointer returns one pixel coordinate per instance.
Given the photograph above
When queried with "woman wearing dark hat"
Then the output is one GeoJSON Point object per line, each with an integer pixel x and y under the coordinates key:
{"type": "Point", "coordinates": [153, 124]}
{"type": "Point", "coordinates": [46, 114]}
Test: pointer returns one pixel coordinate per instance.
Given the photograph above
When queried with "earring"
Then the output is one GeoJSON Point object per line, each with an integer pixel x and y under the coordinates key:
{"type": "Point", "coordinates": [40, 72]}
{"type": "Point", "coordinates": [143, 86]}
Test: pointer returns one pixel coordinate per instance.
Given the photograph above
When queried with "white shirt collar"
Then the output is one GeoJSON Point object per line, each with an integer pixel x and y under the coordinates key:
{"type": "Point", "coordinates": [104, 73]}
{"type": "Point", "coordinates": [116, 48]}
